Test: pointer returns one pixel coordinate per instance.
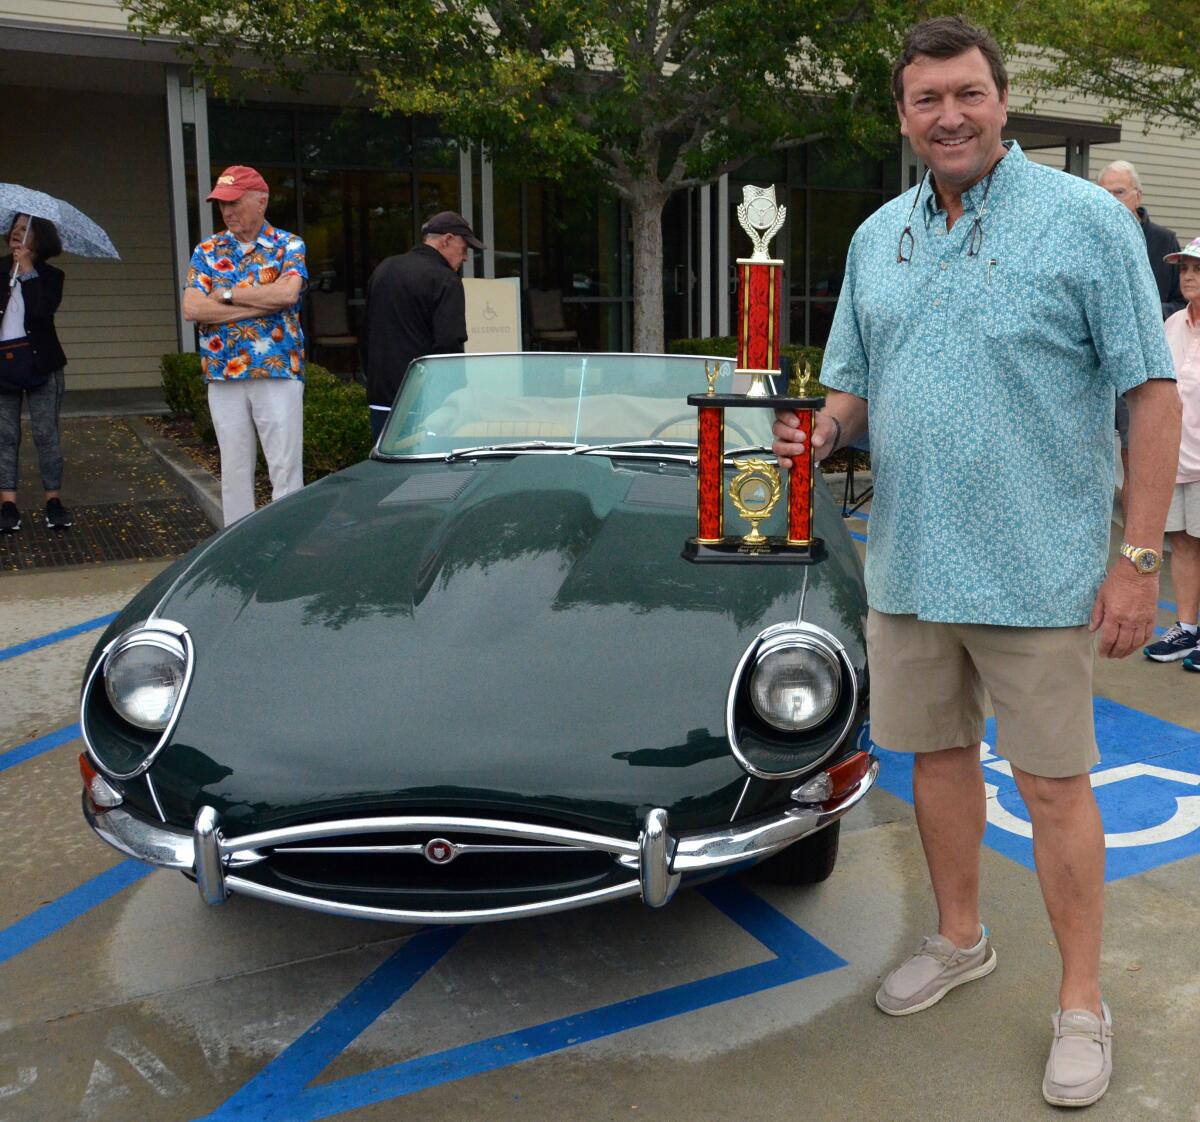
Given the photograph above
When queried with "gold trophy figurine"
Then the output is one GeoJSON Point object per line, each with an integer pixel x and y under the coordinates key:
{"type": "Point", "coordinates": [755, 492]}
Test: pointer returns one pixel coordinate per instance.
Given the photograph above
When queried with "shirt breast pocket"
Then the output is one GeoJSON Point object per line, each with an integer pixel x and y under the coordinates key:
{"type": "Point", "coordinates": [1021, 300]}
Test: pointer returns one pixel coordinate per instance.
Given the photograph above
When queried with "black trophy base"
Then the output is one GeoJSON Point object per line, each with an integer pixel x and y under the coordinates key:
{"type": "Point", "coordinates": [734, 551]}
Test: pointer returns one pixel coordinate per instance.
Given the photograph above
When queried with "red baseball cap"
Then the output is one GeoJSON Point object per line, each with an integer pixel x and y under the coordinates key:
{"type": "Point", "coordinates": [234, 182]}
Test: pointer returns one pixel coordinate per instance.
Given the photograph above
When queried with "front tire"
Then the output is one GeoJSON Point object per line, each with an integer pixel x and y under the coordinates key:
{"type": "Point", "coordinates": [808, 861]}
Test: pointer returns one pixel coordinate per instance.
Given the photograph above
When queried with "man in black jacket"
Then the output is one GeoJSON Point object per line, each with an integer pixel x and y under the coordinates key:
{"type": "Point", "coordinates": [1120, 179]}
{"type": "Point", "coordinates": [415, 306]}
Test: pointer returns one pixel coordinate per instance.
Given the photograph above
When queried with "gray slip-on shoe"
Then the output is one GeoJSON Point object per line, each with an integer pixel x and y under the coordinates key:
{"type": "Point", "coordinates": [1080, 1063]}
{"type": "Point", "coordinates": [927, 976]}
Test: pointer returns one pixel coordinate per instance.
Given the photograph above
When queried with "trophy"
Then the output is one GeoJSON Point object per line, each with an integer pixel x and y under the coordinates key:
{"type": "Point", "coordinates": [757, 487]}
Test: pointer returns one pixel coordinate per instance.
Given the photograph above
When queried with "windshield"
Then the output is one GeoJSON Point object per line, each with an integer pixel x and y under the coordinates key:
{"type": "Point", "coordinates": [456, 402]}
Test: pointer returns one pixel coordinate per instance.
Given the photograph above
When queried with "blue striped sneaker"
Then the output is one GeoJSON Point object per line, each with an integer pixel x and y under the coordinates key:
{"type": "Point", "coordinates": [1175, 644]}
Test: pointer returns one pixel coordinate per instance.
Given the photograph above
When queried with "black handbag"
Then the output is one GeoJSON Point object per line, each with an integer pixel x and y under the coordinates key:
{"type": "Point", "coordinates": [17, 371]}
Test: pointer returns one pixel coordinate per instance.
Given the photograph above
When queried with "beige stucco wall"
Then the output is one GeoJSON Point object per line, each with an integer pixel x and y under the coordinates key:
{"type": "Point", "coordinates": [107, 154]}
{"type": "Point", "coordinates": [65, 13]}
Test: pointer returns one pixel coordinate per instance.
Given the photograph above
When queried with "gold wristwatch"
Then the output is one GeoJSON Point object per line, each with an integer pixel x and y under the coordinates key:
{"type": "Point", "coordinates": [1145, 560]}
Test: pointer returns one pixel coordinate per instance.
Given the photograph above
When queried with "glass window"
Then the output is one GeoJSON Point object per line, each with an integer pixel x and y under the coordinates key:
{"type": "Point", "coordinates": [432, 148]}
{"type": "Point", "coordinates": [539, 272]}
{"type": "Point", "coordinates": [437, 192]}
{"type": "Point", "coordinates": [828, 170]}
{"type": "Point", "coordinates": [249, 134]}
{"type": "Point", "coordinates": [382, 214]}
{"type": "Point", "coordinates": [506, 227]}
{"type": "Point", "coordinates": [325, 204]}
{"type": "Point", "coordinates": [353, 138]}
{"type": "Point", "coordinates": [601, 324]}
{"type": "Point", "coordinates": [836, 215]}
{"type": "Point", "coordinates": [589, 232]}
{"type": "Point", "coordinates": [763, 170]}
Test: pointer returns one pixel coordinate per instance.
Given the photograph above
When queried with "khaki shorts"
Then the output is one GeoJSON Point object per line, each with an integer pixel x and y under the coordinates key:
{"type": "Point", "coordinates": [1185, 509]}
{"type": "Point", "coordinates": [928, 683]}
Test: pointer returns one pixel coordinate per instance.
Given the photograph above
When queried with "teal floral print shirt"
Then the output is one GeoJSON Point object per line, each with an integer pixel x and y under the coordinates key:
{"type": "Point", "coordinates": [990, 380]}
{"type": "Point", "coordinates": [270, 346]}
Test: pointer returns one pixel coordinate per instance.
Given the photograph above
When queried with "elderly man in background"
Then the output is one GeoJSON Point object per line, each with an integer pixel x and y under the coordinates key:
{"type": "Point", "coordinates": [416, 305]}
{"type": "Point", "coordinates": [1183, 519]}
{"type": "Point", "coordinates": [1120, 179]}
{"type": "Point", "coordinates": [244, 288]}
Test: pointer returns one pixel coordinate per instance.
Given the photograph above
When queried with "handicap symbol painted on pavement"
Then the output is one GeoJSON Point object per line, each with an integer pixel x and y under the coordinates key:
{"type": "Point", "coordinates": [1147, 785]}
{"type": "Point", "coordinates": [289, 1087]}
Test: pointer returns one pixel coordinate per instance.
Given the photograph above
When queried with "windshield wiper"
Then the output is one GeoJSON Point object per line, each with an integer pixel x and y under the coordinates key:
{"type": "Point", "coordinates": [748, 448]}
{"type": "Point", "coordinates": [584, 449]}
{"type": "Point", "coordinates": [516, 446]}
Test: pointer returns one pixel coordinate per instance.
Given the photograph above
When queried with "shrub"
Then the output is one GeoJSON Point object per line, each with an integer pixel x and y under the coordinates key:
{"type": "Point", "coordinates": [337, 429]}
{"type": "Point", "coordinates": [337, 426]}
{"type": "Point", "coordinates": [726, 347]}
{"type": "Point", "coordinates": [186, 393]}
{"type": "Point", "coordinates": [179, 372]}
{"type": "Point", "coordinates": [723, 346]}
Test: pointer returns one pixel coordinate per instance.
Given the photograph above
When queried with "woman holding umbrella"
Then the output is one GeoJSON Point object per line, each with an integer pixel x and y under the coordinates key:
{"type": "Point", "coordinates": [28, 300]}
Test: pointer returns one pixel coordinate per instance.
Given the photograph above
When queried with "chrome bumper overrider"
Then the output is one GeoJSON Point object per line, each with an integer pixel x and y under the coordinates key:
{"type": "Point", "coordinates": [656, 860]}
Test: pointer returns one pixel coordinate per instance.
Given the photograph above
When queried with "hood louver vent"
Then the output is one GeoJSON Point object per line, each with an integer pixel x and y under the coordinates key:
{"type": "Point", "coordinates": [441, 487]}
{"type": "Point", "coordinates": [663, 490]}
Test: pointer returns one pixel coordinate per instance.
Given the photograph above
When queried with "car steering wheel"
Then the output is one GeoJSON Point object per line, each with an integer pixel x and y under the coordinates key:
{"type": "Point", "coordinates": [663, 426]}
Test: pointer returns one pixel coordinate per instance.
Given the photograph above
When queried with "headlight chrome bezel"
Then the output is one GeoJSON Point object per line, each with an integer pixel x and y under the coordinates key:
{"type": "Point", "coordinates": [790, 642]}
{"type": "Point", "coordinates": [163, 642]}
{"type": "Point", "coordinates": [776, 637]}
{"type": "Point", "coordinates": [165, 634]}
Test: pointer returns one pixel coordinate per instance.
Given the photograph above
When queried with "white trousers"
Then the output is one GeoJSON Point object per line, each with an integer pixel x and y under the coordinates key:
{"type": "Point", "coordinates": [273, 406]}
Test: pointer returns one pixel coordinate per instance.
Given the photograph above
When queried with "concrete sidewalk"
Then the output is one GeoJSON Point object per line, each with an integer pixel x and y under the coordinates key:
{"type": "Point", "coordinates": [129, 498]}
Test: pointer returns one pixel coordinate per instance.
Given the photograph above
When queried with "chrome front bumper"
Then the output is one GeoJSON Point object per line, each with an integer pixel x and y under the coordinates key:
{"type": "Point", "coordinates": [656, 860]}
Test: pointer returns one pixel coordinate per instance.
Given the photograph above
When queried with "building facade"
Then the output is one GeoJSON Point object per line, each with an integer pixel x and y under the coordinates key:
{"type": "Point", "coordinates": [119, 128]}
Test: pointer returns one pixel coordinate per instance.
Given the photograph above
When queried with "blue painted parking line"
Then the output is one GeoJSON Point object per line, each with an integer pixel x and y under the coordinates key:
{"type": "Point", "coordinates": [56, 636]}
{"type": "Point", "coordinates": [283, 1090]}
{"type": "Point", "coordinates": [31, 748]}
{"type": "Point", "coordinates": [54, 916]}
{"type": "Point", "coordinates": [1147, 785]}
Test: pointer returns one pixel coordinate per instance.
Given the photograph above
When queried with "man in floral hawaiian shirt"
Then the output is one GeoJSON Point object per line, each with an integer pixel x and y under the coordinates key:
{"type": "Point", "coordinates": [243, 290]}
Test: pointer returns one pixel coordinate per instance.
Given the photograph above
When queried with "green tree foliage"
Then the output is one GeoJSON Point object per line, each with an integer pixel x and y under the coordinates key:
{"type": "Point", "coordinates": [1142, 57]}
{"type": "Point", "coordinates": [645, 96]}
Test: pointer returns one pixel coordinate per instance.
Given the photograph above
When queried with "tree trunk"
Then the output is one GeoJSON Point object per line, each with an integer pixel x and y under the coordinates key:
{"type": "Point", "coordinates": [646, 211]}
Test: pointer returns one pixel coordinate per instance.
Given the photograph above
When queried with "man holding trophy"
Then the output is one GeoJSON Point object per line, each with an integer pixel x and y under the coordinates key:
{"type": "Point", "coordinates": [987, 317]}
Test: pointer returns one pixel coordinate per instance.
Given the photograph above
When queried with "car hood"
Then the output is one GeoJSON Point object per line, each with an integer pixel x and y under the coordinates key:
{"type": "Point", "coordinates": [492, 636]}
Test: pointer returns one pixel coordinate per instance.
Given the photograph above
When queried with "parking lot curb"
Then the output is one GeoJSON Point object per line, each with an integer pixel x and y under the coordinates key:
{"type": "Point", "coordinates": [201, 485]}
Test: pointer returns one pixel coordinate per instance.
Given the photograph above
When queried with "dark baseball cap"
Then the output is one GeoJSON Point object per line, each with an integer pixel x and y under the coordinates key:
{"type": "Point", "coordinates": [449, 222]}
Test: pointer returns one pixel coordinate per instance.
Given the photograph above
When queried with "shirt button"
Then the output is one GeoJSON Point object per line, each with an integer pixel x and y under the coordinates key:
{"type": "Point", "coordinates": [945, 265]}
{"type": "Point", "coordinates": [937, 303]}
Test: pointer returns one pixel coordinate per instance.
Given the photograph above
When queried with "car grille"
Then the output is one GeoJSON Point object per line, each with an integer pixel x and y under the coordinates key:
{"type": "Point", "coordinates": [430, 868]}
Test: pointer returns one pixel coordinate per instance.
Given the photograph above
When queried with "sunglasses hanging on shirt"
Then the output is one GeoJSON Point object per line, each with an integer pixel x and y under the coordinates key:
{"type": "Point", "coordinates": [974, 243]}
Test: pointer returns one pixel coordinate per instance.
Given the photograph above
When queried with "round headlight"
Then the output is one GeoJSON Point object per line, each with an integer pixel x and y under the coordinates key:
{"type": "Point", "coordinates": [795, 687]}
{"type": "Point", "coordinates": [143, 681]}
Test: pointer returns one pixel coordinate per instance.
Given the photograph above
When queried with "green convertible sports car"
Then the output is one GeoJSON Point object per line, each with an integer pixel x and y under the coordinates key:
{"type": "Point", "coordinates": [473, 678]}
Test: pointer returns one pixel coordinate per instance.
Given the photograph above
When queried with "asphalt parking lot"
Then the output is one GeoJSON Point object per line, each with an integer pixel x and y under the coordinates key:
{"type": "Point", "coordinates": [123, 996]}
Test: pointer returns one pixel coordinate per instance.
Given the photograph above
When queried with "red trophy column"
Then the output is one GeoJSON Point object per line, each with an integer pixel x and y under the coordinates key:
{"type": "Point", "coordinates": [800, 487]}
{"type": "Point", "coordinates": [710, 476]}
{"type": "Point", "coordinates": [759, 284]}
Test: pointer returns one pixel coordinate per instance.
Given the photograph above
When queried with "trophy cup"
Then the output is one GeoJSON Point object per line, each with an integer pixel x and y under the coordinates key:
{"type": "Point", "coordinates": [757, 487]}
